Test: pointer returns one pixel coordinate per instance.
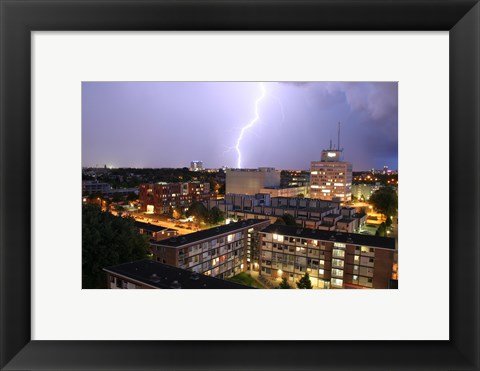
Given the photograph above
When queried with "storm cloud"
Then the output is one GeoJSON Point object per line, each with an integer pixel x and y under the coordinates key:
{"type": "Point", "coordinates": [169, 124]}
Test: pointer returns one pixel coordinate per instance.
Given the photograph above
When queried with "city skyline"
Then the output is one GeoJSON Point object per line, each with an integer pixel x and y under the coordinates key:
{"type": "Point", "coordinates": [238, 124]}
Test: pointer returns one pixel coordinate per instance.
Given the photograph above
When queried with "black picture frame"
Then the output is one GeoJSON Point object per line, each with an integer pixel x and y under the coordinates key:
{"type": "Point", "coordinates": [20, 17]}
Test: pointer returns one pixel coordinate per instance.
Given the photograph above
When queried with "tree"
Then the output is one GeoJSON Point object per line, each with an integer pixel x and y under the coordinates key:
{"type": "Point", "coordinates": [284, 284]}
{"type": "Point", "coordinates": [107, 240]}
{"type": "Point", "coordinates": [215, 215]}
{"type": "Point", "coordinates": [300, 195]}
{"type": "Point", "coordinates": [198, 210]}
{"type": "Point", "coordinates": [119, 209]}
{"type": "Point", "coordinates": [305, 282]}
{"type": "Point", "coordinates": [117, 197]}
{"type": "Point", "coordinates": [132, 196]}
{"type": "Point", "coordinates": [289, 219]}
{"type": "Point", "coordinates": [385, 201]}
{"type": "Point", "coordinates": [382, 230]}
{"type": "Point", "coordinates": [388, 222]}
{"type": "Point", "coordinates": [280, 221]}
{"type": "Point", "coordinates": [177, 213]}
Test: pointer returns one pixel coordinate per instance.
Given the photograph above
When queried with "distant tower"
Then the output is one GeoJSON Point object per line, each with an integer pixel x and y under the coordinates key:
{"type": "Point", "coordinates": [196, 165]}
{"type": "Point", "coordinates": [338, 145]}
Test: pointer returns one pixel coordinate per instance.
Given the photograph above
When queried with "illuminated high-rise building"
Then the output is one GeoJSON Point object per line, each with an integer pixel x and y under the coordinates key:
{"type": "Point", "coordinates": [331, 177]}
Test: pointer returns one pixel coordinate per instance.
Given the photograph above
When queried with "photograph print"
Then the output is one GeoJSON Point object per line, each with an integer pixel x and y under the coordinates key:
{"type": "Point", "coordinates": [240, 185]}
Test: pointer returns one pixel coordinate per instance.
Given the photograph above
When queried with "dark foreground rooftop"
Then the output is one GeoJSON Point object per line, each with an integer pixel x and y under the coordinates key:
{"type": "Point", "coordinates": [164, 276]}
{"type": "Point", "coordinates": [333, 236]}
{"type": "Point", "coordinates": [149, 227]}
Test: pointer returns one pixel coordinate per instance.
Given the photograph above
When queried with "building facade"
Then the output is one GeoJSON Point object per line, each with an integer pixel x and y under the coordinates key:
{"type": "Point", "coordinates": [304, 191]}
{"type": "Point", "coordinates": [331, 178]}
{"type": "Point", "coordinates": [250, 181]}
{"type": "Point", "coordinates": [332, 259]}
{"type": "Point", "coordinates": [91, 187]}
{"type": "Point", "coordinates": [162, 198]}
{"type": "Point", "coordinates": [220, 252]}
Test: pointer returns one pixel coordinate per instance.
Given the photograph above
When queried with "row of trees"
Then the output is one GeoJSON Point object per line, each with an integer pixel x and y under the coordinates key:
{"type": "Point", "coordinates": [202, 214]}
{"type": "Point", "coordinates": [385, 201]}
{"type": "Point", "coordinates": [303, 283]}
{"type": "Point", "coordinates": [107, 240]}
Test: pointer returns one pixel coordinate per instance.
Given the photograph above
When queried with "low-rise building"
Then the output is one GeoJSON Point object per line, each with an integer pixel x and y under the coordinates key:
{"type": "Point", "coordinates": [332, 259]}
{"type": "Point", "coordinates": [364, 191]}
{"type": "Point", "coordinates": [286, 191]}
{"type": "Point", "coordinates": [155, 232]}
{"type": "Point", "coordinates": [148, 274]}
{"type": "Point", "coordinates": [92, 187]}
{"type": "Point", "coordinates": [221, 252]}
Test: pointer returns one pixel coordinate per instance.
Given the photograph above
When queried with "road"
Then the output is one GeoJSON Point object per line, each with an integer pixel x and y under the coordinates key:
{"type": "Point", "coordinates": [163, 221]}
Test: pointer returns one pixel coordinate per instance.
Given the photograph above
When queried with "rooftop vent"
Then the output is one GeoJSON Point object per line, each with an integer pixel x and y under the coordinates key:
{"type": "Point", "coordinates": [299, 231]}
{"type": "Point", "coordinates": [194, 276]}
{"type": "Point", "coordinates": [175, 285]}
{"type": "Point", "coordinates": [154, 278]}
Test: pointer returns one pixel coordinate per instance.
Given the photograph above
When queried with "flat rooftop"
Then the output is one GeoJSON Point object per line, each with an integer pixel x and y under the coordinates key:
{"type": "Point", "coordinates": [332, 236]}
{"type": "Point", "coordinates": [150, 227]}
{"type": "Point", "coordinates": [333, 215]}
{"type": "Point", "coordinates": [190, 238]}
{"type": "Point", "coordinates": [164, 276]}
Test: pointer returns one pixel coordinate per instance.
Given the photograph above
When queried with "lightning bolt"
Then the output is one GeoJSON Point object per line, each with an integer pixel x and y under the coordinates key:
{"type": "Point", "coordinates": [249, 125]}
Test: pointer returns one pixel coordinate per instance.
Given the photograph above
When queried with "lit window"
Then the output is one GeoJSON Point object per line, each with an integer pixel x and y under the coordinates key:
{"type": "Point", "coordinates": [337, 272]}
{"type": "Point", "coordinates": [337, 282]}
{"type": "Point", "coordinates": [365, 249]}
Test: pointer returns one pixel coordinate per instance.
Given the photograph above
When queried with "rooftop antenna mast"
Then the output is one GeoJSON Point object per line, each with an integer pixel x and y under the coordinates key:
{"type": "Point", "coordinates": [338, 136]}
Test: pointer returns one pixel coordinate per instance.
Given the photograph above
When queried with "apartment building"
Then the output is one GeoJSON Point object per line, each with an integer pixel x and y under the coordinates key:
{"type": "Point", "coordinates": [155, 232]}
{"type": "Point", "coordinates": [251, 181]}
{"type": "Point", "coordinates": [331, 177]}
{"type": "Point", "coordinates": [220, 252]}
{"type": "Point", "coordinates": [332, 259]}
{"type": "Point", "coordinates": [162, 198]}
{"type": "Point", "coordinates": [148, 274]}
{"type": "Point", "coordinates": [308, 213]}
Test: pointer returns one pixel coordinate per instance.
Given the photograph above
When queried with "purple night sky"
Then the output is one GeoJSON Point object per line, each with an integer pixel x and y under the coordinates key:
{"type": "Point", "coordinates": [169, 124]}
